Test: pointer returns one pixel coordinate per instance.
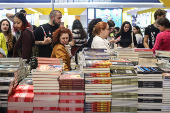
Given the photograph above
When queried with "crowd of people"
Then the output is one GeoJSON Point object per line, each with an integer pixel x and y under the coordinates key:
{"type": "Point", "coordinates": [53, 40]}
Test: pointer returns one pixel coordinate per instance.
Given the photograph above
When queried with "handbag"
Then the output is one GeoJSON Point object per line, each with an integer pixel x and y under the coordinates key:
{"type": "Point", "coordinates": [132, 44]}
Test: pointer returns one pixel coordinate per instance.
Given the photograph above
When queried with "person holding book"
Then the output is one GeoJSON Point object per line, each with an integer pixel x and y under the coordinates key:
{"type": "Point", "coordinates": [23, 46]}
{"type": "Point", "coordinates": [61, 38]}
{"type": "Point", "coordinates": [127, 37]}
{"type": "Point", "coordinates": [139, 37]}
{"type": "Point", "coordinates": [5, 28]}
{"type": "Point", "coordinates": [101, 32]}
{"type": "Point", "coordinates": [162, 39]}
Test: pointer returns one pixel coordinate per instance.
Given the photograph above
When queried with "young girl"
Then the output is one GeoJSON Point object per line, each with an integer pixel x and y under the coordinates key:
{"type": "Point", "coordinates": [163, 39]}
{"type": "Point", "coordinates": [139, 37]}
{"type": "Point", "coordinates": [5, 28]}
{"type": "Point", "coordinates": [23, 46]}
{"type": "Point", "coordinates": [127, 37]}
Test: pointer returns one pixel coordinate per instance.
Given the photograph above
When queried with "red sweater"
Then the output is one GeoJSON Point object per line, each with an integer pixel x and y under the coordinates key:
{"type": "Point", "coordinates": [24, 42]}
{"type": "Point", "coordinates": [162, 41]}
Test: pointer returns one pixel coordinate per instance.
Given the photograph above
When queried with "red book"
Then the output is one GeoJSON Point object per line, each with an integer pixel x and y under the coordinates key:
{"type": "Point", "coordinates": [71, 101]}
{"type": "Point", "coordinates": [46, 108]}
{"type": "Point", "coordinates": [18, 111]}
{"type": "Point", "coordinates": [70, 109]}
{"type": "Point", "coordinates": [141, 49]}
{"type": "Point", "coordinates": [72, 93]}
{"type": "Point", "coordinates": [23, 88]}
{"type": "Point", "coordinates": [42, 93]}
{"type": "Point", "coordinates": [21, 97]}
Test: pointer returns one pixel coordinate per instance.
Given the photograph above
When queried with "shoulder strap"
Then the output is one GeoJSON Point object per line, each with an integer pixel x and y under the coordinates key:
{"type": "Point", "coordinates": [132, 45]}
{"type": "Point", "coordinates": [43, 30]}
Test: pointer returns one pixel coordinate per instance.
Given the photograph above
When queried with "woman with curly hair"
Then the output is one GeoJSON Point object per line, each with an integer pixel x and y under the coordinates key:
{"type": "Point", "coordinates": [5, 28]}
{"type": "Point", "coordinates": [23, 46]}
{"type": "Point", "coordinates": [61, 37]}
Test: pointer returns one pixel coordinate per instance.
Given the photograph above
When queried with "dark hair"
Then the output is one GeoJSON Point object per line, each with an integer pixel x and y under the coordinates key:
{"type": "Point", "coordinates": [22, 11]}
{"type": "Point", "coordinates": [159, 12]}
{"type": "Point", "coordinates": [58, 33]}
{"type": "Point", "coordinates": [163, 22]}
{"type": "Point", "coordinates": [111, 23]}
{"type": "Point", "coordinates": [34, 27]}
{"type": "Point", "coordinates": [117, 28]}
{"type": "Point", "coordinates": [98, 27]}
{"type": "Point", "coordinates": [77, 25]}
{"type": "Point", "coordinates": [53, 13]}
{"type": "Point", "coordinates": [91, 25]}
{"type": "Point", "coordinates": [138, 28]}
{"type": "Point", "coordinates": [122, 32]}
{"type": "Point", "coordinates": [9, 33]}
{"type": "Point", "coordinates": [25, 23]}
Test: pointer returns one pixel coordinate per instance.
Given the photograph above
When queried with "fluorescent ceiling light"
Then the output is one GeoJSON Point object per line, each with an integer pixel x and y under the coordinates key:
{"type": "Point", "coordinates": [40, 13]}
{"type": "Point", "coordinates": [65, 10]}
{"type": "Point", "coordinates": [32, 9]}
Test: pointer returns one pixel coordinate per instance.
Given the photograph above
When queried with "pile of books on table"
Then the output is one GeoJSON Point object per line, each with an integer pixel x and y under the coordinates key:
{"type": "Point", "coordinates": [46, 88]}
{"type": "Point", "coordinates": [12, 70]}
{"type": "Point", "coordinates": [49, 61]}
{"type": "Point", "coordinates": [97, 86]}
{"type": "Point", "coordinates": [166, 92]}
{"type": "Point", "coordinates": [124, 88]}
{"type": "Point", "coordinates": [21, 99]}
{"type": "Point", "coordinates": [149, 89]}
{"type": "Point", "coordinates": [71, 93]}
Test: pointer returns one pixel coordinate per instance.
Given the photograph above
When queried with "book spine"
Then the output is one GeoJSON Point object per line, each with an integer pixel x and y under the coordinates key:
{"type": "Point", "coordinates": [70, 109]}
{"type": "Point", "coordinates": [149, 100]}
{"type": "Point", "coordinates": [150, 84]}
{"type": "Point", "coordinates": [71, 101]}
{"type": "Point", "coordinates": [72, 94]}
{"type": "Point", "coordinates": [38, 93]}
{"type": "Point", "coordinates": [21, 97]}
{"type": "Point", "coordinates": [45, 108]}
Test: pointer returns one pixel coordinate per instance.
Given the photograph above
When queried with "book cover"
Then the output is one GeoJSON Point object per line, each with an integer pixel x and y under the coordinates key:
{"type": "Point", "coordinates": [21, 97]}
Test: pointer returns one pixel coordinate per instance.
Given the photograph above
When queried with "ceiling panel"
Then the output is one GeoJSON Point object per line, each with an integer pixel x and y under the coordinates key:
{"type": "Point", "coordinates": [147, 1]}
{"type": "Point", "coordinates": [25, 1]}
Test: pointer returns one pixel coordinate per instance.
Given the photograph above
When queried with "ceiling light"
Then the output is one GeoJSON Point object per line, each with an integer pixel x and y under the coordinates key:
{"type": "Point", "coordinates": [32, 9]}
{"type": "Point", "coordinates": [40, 13]}
{"type": "Point", "coordinates": [65, 10]}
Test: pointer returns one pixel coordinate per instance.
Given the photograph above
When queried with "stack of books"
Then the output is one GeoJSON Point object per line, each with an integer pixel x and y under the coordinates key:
{"type": "Point", "coordinates": [144, 52]}
{"type": "Point", "coordinates": [21, 100]}
{"type": "Point", "coordinates": [162, 53]}
{"type": "Point", "coordinates": [12, 70]}
{"type": "Point", "coordinates": [124, 89]}
{"type": "Point", "coordinates": [133, 56]}
{"type": "Point", "coordinates": [149, 89]}
{"type": "Point", "coordinates": [166, 92]}
{"type": "Point", "coordinates": [71, 93]}
{"type": "Point", "coordinates": [97, 86]}
{"type": "Point", "coordinates": [46, 88]}
{"type": "Point", "coordinates": [49, 61]}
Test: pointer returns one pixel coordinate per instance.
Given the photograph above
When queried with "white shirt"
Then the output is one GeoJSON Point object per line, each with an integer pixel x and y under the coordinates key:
{"type": "Point", "coordinates": [139, 38]}
{"type": "Point", "coordinates": [98, 42]}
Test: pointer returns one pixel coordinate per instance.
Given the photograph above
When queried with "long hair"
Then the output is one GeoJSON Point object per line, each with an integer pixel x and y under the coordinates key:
{"type": "Point", "coordinates": [123, 33]}
{"type": "Point", "coordinates": [91, 25]}
{"type": "Point", "coordinates": [138, 29]}
{"type": "Point", "coordinates": [58, 33]}
{"type": "Point", "coordinates": [77, 25]}
{"type": "Point", "coordinates": [25, 23]}
{"type": "Point", "coordinates": [9, 34]}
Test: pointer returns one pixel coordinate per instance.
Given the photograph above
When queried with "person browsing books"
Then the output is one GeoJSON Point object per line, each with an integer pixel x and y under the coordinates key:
{"type": "Point", "coordinates": [61, 37]}
{"type": "Point", "coordinates": [23, 46]}
{"type": "Point", "coordinates": [162, 39]}
{"type": "Point", "coordinates": [139, 36]}
{"type": "Point", "coordinates": [127, 37]}
{"type": "Point", "coordinates": [101, 32]}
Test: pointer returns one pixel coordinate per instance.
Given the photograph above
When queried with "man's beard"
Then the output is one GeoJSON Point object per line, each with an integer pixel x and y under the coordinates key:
{"type": "Point", "coordinates": [55, 23]}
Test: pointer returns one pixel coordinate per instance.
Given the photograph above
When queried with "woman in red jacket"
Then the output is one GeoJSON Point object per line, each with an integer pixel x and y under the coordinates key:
{"type": "Point", "coordinates": [163, 39]}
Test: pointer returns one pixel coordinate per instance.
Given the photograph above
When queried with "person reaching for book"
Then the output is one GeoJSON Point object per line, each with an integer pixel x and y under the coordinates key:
{"type": "Point", "coordinates": [127, 37]}
{"type": "Point", "coordinates": [162, 39]}
{"type": "Point", "coordinates": [61, 38]}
